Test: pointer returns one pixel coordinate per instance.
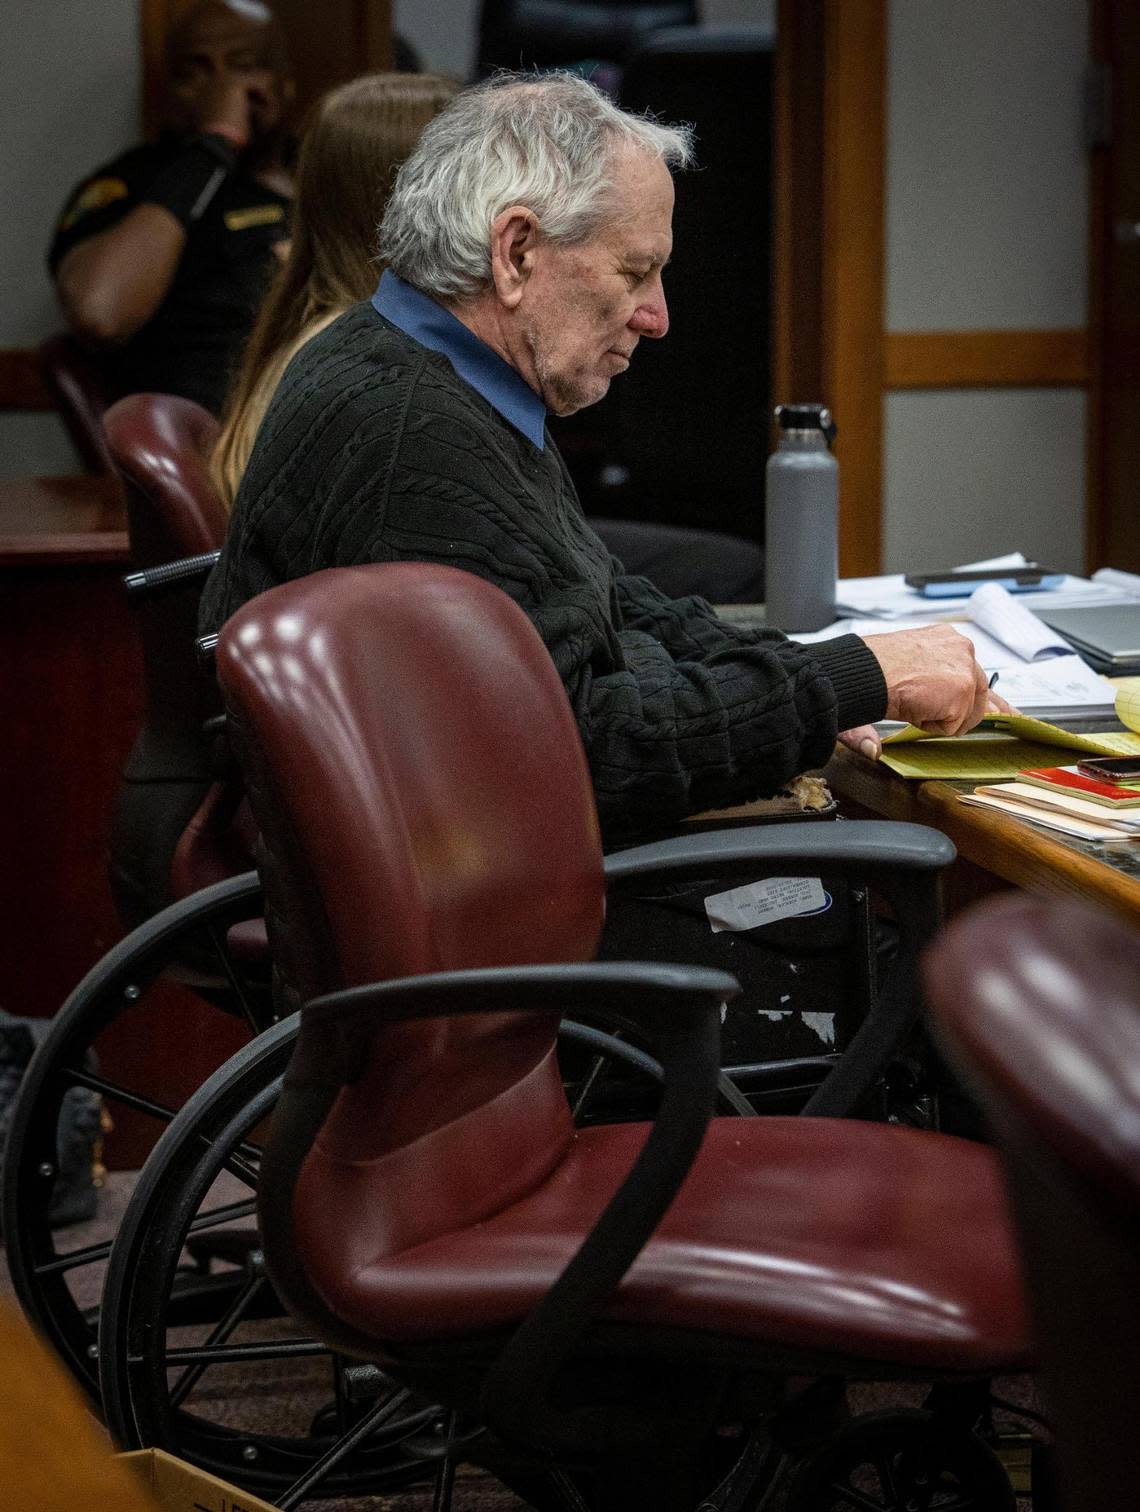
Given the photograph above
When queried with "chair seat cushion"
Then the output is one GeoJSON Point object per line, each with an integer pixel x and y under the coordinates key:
{"type": "Point", "coordinates": [826, 1235]}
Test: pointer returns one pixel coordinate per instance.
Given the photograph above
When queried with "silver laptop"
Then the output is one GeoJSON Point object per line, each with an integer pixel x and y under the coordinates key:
{"type": "Point", "coordinates": [1107, 634]}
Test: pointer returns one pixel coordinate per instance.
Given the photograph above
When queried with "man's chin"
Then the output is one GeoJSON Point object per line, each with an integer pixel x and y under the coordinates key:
{"type": "Point", "coordinates": [569, 402]}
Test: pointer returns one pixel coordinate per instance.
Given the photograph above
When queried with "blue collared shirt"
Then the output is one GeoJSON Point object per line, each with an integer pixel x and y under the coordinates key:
{"type": "Point", "coordinates": [419, 317]}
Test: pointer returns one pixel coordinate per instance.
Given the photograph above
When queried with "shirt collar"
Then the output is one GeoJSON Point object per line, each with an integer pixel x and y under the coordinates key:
{"type": "Point", "coordinates": [419, 317]}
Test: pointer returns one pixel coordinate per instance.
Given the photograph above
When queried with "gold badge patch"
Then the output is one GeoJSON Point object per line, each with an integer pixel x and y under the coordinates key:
{"type": "Point", "coordinates": [256, 215]}
{"type": "Point", "coordinates": [94, 196]}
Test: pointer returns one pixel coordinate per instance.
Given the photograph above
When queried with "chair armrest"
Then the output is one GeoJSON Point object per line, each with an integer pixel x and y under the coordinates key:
{"type": "Point", "coordinates": [608, 987]}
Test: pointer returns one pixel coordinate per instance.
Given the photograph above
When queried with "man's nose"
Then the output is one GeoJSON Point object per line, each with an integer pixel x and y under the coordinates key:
{"type": "Point", "coordinates": [651, 318]}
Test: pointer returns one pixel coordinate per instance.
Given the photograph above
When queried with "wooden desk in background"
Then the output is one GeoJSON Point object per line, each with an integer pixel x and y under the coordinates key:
{"type": "Point", "coordinates": [70, 697]}
{"type": "Point", "coordinates": [995, 850]}
{"type": "Point", "coordinates": [71, 702]}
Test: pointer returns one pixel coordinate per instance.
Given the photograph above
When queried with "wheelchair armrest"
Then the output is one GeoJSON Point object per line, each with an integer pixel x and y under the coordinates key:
{"type": "Point", "coordinates": [903, 862]}
{"type": "Point", "coordinates": [853, 849]}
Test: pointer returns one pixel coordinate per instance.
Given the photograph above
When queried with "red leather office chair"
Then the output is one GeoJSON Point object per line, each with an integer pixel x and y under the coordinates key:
{"type": "Point", "coordinates": [1038, 1002]}
{"type": "Point", "coordinates": [164, 844]}
{"type": "Point", "coordinates": [82, 392]}
{"type": "Point", "coordinates": [425, 1200]}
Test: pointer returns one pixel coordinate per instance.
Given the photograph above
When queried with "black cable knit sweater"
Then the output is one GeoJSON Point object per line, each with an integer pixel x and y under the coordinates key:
{"type": "Point", "coordinates": [374, 450]}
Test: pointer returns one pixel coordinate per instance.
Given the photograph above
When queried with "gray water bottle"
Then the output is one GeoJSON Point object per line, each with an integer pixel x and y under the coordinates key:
{"type": "Point", "coordinates": [801, 539]}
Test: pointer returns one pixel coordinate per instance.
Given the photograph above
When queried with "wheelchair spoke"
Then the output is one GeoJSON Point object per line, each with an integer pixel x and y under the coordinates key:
{"type": "Point", "coordinates": [189, 1378]}
{"type": "Point", "coordinates": [90, 1255]}
{"type": "Point", "coordinates": [245, 1171]}
{"type": "Point", "coordinates": [214, 1216]}
{"type": "Point", "coordinates": [114, 1093]}
{"type": "Point", "coordinates": [234, 1354]}
{"type": "Point", "coordinates": [341, 1450]}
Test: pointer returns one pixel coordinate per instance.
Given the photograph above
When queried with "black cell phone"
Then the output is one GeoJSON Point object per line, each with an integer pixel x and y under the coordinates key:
{"type": "Point", "coordinates": [936, 584]}
{"type": "Point", "coordinates": [1118, 768]}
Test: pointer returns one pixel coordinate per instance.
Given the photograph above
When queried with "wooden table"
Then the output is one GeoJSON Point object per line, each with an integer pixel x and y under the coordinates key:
{"type": "Point", "coordinates": [996, 849]}
{"type": "Point", "coordinates": [71, 699]}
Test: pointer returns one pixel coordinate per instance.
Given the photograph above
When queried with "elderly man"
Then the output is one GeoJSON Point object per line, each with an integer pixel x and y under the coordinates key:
{"type": "Point", "coordinates": [161, 258]}
{"type": "Point", "coordinates": [525, 244]}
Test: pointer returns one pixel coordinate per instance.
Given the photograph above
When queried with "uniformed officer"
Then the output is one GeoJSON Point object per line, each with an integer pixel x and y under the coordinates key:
{"type": "Point", "coordinates": [161, 258]}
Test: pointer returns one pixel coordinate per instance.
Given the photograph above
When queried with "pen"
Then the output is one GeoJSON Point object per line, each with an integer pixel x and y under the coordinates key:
{"type": "Point", "coordinates": [993, 679]}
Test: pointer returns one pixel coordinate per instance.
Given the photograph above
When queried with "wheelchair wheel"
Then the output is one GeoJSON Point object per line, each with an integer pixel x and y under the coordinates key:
{"type": "Point", "coordinates": [164, 1371]}
{"type": "Point", "coordinates": [164, 1364]}
{"type": "Point", "coordinates": [903, 1460]}
{"type": "Point", "coordinates": [57, 1278]}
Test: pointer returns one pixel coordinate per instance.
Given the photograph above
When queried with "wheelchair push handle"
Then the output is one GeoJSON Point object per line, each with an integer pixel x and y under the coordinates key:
{"type": "Point", "coordinates": [151, 580]}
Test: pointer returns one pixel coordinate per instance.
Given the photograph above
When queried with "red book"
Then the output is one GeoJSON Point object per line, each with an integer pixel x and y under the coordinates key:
{"type": "Point", "coordinates": [1072, 781]}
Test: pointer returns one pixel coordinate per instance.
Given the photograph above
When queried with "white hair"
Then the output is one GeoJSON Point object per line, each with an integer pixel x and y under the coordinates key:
{"type": "Point", "coordinates": [547, 142]}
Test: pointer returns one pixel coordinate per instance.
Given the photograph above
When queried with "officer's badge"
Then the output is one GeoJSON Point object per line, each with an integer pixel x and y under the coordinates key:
{"type": "Point", "coordinates": [93, 196]}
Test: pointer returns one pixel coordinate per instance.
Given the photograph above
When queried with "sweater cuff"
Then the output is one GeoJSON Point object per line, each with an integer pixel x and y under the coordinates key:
{"type": "Point", "coordinates": [186, 185]}
{"type": "Point", "coordinates": [855, 674]}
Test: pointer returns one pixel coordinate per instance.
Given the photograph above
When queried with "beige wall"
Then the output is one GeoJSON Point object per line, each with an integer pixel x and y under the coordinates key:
{"type": "Point", "coordinates": [987, 211]}
{"type": "Point", "coordinates": [69, 99]}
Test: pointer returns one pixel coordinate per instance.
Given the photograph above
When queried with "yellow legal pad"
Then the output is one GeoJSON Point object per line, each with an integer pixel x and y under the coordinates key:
{"type": "Point", "coordinates": [1001, 746]}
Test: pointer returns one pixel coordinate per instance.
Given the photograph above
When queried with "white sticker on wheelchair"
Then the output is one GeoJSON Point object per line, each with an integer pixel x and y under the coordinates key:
{"type": "Point", "coordinates": [764, 902]}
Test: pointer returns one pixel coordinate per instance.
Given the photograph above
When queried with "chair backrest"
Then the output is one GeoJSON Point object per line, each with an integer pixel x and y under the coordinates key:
{"type": "Point", "coordinates": [1039, 1003]}
{"type": "Point", "coordinates": [160, 445]}
{"type": "Point", "coordinates": [417, 775]}
{"type": "Point", "coordinates": [425, 805]}
{"type": "Point", "coordinates": [82, 392]}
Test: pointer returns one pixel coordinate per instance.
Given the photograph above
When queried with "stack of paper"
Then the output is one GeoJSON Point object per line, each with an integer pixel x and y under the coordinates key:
{"type": "Point", "coordinates": [889, 598]}
{"type": "Point", "coordinates": [1059, 811]}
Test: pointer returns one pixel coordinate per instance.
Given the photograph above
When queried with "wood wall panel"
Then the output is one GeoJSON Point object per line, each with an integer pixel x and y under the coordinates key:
{"type": "Point", "coordinates": [827, 339]}
{"type": "Point", "coordinates": [853, 301]}
{"type": "Point", "coordinates": [986, 359]}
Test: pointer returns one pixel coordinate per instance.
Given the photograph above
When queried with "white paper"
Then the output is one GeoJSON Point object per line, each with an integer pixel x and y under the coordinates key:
{"type": "Point", "coordinates": [764, 902]}
{"type": "Point", "coordinates": [996, 610]}
{"type": "Point", "coordinates": [1110, 577]}
{"type": "Point", "coordinates": [1053, 819]}
{"type": "Point", "coordinates": [1065, 682]}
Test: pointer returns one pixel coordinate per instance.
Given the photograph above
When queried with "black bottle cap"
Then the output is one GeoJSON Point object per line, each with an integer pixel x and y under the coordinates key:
{"type": "Point", "coordinates": [806, 417]}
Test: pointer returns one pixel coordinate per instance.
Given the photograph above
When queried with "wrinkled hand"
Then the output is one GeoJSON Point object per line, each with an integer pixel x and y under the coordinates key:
{"type": "Point", "coordinates": [933, 680]}
{"type": "Point", "coordinates": [868, 742]}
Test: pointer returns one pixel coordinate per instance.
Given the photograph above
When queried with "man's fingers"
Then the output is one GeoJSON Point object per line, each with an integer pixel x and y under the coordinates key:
{"type": "Point", "coordinates": [864, 739]}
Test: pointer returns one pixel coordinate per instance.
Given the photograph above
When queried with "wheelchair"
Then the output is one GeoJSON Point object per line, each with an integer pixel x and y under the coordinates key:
{"type": "Point", "coordinates": [399, 1413]}
{"type": "Point", "coordinates": [197, 962]}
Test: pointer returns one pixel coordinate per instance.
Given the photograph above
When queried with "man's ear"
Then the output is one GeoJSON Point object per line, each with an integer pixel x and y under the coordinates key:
{"type": "Point", "coordinates": [514, 240]}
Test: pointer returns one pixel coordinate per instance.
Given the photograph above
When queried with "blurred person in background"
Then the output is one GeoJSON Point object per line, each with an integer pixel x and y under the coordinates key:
{"type": "Point", "coordinates": [161, 258]}
{"type": "Point", "coordinates": [358, 136]}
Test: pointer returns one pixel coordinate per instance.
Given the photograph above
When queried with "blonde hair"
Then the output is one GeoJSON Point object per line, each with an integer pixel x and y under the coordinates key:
{"type": "Point", "coordinates": [358, 136]}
